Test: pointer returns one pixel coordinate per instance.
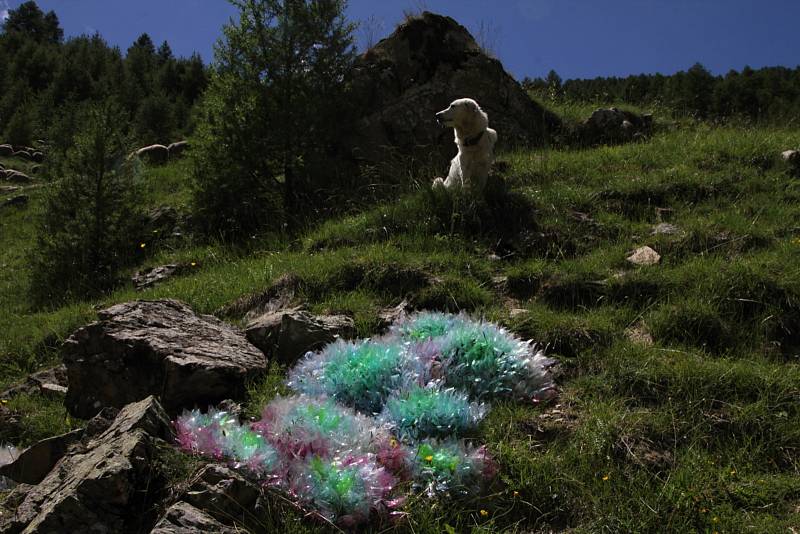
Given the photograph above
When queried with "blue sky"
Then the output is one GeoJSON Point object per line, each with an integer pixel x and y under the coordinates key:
{"type": "Point", "coordinates": [577, 38]}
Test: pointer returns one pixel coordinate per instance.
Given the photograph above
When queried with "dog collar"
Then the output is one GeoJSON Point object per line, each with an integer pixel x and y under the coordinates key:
{"type": "Point", "coordinates": [472, 141]}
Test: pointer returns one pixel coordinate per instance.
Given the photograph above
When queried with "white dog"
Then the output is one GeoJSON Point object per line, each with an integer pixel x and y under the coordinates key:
{"type": "Point", "coordinates": [475, 141]}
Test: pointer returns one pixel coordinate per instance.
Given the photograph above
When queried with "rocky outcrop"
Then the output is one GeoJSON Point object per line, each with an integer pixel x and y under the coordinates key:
{"type": "Point", "coordinates": [100, 486]}
{"type": "Point", "coordinates": [429, 61]}
{"type": "Point", "coordinates": [286, 335]}
{"type": "Point", "coordinates": [614, 126]}
{"type": "Point", "coordinates": [158, 348]}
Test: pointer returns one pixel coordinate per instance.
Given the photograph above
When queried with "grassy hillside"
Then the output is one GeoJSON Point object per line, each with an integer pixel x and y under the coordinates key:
{"type": "Point", "coordinates": [680, 387]}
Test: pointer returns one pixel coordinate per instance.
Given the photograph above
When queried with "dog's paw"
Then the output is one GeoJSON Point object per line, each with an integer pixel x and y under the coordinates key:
{"type": "Point", "coordinates": [438, 184]}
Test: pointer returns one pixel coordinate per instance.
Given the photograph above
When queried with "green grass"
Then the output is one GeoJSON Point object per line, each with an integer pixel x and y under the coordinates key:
{"type": "Point", "coordinates": [699, 432]}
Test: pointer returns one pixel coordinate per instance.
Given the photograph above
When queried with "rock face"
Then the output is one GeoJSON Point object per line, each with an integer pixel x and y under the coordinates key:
{"type": "Point", "coordinates": [428, 62]}
{"type": "Point", "coordinates": [613, 126]}
{"type": "Point", "coordinates": [158, 348]}
{"type": "Point", "coordinates": [286, 335]}
{"type": "Point", "coordinates": [98, 487]}
{"type": "Point", "coordinates": [183, 518]}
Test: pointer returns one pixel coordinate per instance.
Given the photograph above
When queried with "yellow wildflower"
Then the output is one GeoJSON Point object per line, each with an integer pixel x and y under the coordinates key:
{"type": "Point", "coordinates": [142, 245]}
{"type": "Point", "coordinates": [484, 513]}
{"type": "Point", "coordinates": [429, 458]}
{"type": "Point", "coordinates": [606, 477]}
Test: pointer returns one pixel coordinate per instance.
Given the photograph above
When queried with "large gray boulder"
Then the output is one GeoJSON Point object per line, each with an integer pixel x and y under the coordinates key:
{"type": "Point", "coordinates": [286, 335]}
{"type": "Point", "coordinates": [98, 487]}
{"type": "Point", "coordinates": [160, 348]}
{"type": "Point", "coordinates": [429, 61]}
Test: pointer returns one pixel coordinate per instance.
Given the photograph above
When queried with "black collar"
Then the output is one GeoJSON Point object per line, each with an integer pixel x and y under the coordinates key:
{"type": "Point", "coordinates": [472, 141]}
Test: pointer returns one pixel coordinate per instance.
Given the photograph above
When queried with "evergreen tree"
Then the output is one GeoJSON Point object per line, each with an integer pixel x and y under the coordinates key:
{"type": "Point", "coordinates": [87, 230]}
{"type": "Point", "coordinates": [32, 22]}
{"type": "Point", "coordinates": [271, 109]}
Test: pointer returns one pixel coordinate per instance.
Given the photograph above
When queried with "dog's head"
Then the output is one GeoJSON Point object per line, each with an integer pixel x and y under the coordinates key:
{"type": "Point", "coordinates": [462, 112]}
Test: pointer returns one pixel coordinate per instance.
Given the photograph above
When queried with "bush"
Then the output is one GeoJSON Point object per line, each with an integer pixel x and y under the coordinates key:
{"type": "Point", "coordinates": [88, 228]}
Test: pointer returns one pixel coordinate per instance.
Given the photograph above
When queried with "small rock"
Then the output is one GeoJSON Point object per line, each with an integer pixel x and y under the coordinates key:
{"type": "Point", "coordinates": [517, 312]}
{"type": "Point", "coordinates": [35, 462]}
{"type": "Point", "coordinates": [6, 151]}
{"type": "Point", "coordinates": [149, 277]}
{"type": "Point", "coordinates": [644, 256]}
{"type": "Point", "coordinates": [287, 335]}
{"type": "Point", "coordinates": [183, 518]}
{"type": "Point", "coordinates": [665, 229]}
{"type": "Point", "coordinates": [161, 348]}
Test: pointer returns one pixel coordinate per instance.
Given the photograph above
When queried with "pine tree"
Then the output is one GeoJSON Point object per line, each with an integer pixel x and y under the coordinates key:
{"type": "Point", "coordinates": [87, 230]}
{"type": "Point", "coordinates": [271, 108]}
